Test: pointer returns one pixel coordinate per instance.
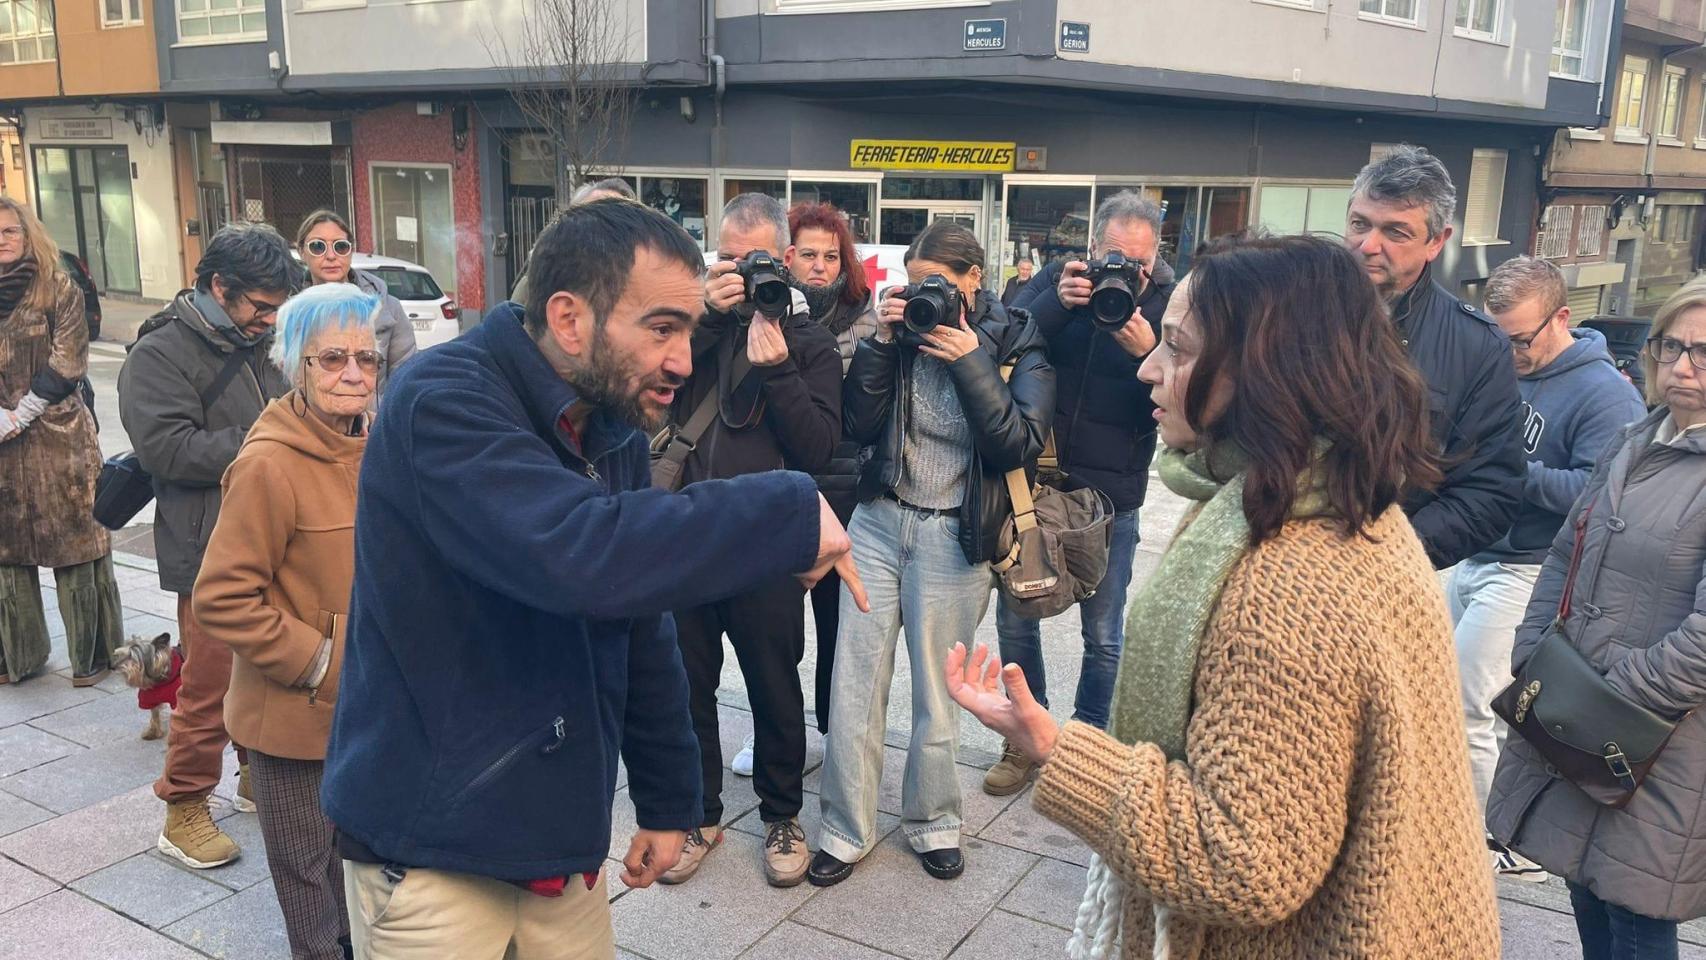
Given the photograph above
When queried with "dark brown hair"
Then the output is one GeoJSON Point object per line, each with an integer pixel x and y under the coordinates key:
{"type": "Point", "coordinates": [1299, 331]}
{"type": "Point", "coordinates": [947, 243]}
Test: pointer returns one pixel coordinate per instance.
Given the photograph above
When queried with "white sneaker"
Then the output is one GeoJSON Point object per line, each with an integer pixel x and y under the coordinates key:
{"type": "Point", "coordinates": [1509, 863]}
{"type": "Point", "coordinates": [742, 763]}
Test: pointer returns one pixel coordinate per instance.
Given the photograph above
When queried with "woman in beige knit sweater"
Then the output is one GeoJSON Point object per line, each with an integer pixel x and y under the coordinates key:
{"type": "Point", "coordinates": [1285, 773]}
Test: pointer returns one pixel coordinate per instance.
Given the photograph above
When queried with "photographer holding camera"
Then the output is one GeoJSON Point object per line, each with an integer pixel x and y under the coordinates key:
{"type": "Point", "coordinates": [1100, 319]}
{"type": "Point", "coordinates": [765, 394]}
{"type": "Point", "coordinates": [927, 391]}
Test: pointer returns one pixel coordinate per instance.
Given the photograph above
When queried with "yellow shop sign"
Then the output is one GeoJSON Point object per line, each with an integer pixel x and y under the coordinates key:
{"type": "Point", "coordinates": [972, 156]}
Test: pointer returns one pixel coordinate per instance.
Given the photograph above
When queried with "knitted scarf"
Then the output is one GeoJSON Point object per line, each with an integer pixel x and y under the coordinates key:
{"type": "Point", "coordinates": [1164, 625]}
{"type": "Point", "coordinates": [15, 285]}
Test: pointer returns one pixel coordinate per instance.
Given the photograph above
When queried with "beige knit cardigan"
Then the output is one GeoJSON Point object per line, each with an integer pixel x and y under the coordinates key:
{"type": "Point", "coordinates": [1324, 808]}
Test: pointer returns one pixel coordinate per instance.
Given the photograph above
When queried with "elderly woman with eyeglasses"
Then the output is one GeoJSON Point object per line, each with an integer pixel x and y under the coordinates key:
{"type": "Point", "coordinates": [327, 245]}
{"type": "Point", "coordinates": [1637, 613]}
{"type": "Point", "coordinates": [275, 588]}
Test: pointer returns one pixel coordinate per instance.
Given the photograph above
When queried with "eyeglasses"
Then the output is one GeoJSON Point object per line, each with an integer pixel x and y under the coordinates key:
{"type": "Point", "coordinates": [317, 247]}
{"type": "Point", "coordinates": [11, 233]}
{"type": "Point", "coordinates": [1523, 343]}
{"type": "Point", "coordinates": [263, 309]}
{"type": "Point", "coordinates": [336, 359]}
{"type": "Point", "coordinates": [1666, 350]}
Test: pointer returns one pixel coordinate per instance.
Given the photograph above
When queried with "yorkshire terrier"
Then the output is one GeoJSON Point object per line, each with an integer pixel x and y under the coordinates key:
{"type": "Point", "coordinates": [156, 669]}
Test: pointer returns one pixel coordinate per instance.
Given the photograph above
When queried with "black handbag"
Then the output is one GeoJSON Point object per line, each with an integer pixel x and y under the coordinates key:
{"type": "Point", "coordinates": [1593, 736]}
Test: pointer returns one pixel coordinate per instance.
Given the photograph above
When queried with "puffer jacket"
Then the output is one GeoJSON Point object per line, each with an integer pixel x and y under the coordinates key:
{"type": "Point", "coordinates": [1638, 613]}
{"type": "Point", "coordinates": [178, 354]}
{"type": "Point", "coordinates": [839, 482]}
{"type": "Point", "coordinates": [1009, 421]}
{"type": "Point", "coordinates": [393, 333]}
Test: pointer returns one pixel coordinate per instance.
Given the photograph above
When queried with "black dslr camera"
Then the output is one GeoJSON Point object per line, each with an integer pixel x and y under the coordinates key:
{"type": "Point", "coordinates": [931, 302]}
{"type": "Point", "coordinates": [1114, 298]}
{"type": "Point", "coordinates": [765, 288]}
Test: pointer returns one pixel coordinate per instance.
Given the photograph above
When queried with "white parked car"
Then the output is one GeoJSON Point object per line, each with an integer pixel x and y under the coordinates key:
{"type": "Point", "coordinates": [436, 317]}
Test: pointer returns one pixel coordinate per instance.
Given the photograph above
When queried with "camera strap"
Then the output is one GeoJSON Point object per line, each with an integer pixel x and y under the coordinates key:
{"type": "Point", "coordinates": [667, 466]}
{"type": "Point", "coordinates": [1019, 492]}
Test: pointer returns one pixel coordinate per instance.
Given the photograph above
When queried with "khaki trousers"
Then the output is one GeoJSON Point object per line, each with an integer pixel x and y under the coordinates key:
{"type": "Point", "coordinates": [432, 914]}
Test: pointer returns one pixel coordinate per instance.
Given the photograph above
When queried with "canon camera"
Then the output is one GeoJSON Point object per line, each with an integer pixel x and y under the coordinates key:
{"type": "Point", "coordinates": [929, 303]}
{"type": "Point", "coordinates": [766, 289]}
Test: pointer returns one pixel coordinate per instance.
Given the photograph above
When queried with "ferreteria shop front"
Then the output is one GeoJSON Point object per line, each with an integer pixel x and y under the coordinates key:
{"type": "Point", "coordinates": [1025, 170]}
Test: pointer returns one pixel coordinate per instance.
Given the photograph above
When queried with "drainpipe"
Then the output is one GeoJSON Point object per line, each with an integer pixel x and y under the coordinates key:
{"type": "Point", "coordinates": [1613, 63]}
{"type": "Point", "coordinates": [716, 76]}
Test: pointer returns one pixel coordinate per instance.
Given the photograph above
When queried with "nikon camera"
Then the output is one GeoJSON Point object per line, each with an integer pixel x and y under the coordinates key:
{"type": "Point", "coordinates": [1113, 297]}
{"type": "Point", "coordinates": [932, 301]}
{"type": "Point", "coordinates": [765, 288]}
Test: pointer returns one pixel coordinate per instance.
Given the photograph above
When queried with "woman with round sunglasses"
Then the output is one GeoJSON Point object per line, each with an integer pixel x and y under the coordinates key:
{"type": "Point", "coordinates": [275, 588]}
{"type": "Point", "coordinates": [326, 244]}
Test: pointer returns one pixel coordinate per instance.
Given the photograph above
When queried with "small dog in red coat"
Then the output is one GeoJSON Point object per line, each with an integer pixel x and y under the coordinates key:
{"type": "Point", "coordinates": [156, 669]}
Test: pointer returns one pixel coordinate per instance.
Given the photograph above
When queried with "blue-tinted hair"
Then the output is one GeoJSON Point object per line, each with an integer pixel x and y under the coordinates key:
{"type": "Point", "coordinates": [314, 311]}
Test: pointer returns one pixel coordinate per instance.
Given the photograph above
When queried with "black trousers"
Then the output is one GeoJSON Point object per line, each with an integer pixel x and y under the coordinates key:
{"type": "Point", "coordinates": [826, 614]}
{"type": "Point", "coordinates": [767, 629]}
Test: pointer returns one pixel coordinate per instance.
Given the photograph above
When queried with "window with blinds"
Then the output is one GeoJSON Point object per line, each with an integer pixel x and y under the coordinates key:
{"type": "Point", "coordinates": [1555, 232]}
{"type": "Point", "coordinates": [1486, 196]}
{"type": "Point", "coordinates": [1632, 97]}
{"type": "Point", "coordinates": [1584, 302]}
{"type": "Point", "coordinates": [1590, 232]}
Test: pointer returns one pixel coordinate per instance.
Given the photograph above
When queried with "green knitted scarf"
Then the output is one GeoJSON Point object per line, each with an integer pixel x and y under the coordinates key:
{"type": "Point", "coordinates": [1166, 620]}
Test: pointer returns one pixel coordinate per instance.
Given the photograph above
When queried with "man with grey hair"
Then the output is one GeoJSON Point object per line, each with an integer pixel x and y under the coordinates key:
{"type": "Point", "coordinates": [1104, 438]}
{"type": "Point", "coordinates": [765, 393]}
{"type": "Point", "coordinates": [1397, 225]}
{"type": "Point", "coordinates": [1574, 401]}
{"type": "Point", "coordinates": [603, 189]}
{"type": "Point", "coordinates": [196, 380]}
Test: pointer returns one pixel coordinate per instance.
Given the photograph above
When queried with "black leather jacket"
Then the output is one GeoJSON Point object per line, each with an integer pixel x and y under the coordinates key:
{"type": "Point", "coordinates": [1008, 420]}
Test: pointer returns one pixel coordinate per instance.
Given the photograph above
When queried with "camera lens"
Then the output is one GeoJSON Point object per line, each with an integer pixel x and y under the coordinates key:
{"type": "Point", "coordinates": [1112, 303]}
{"type": "Point", "coordinates": [771, 296]}
{"type": "Point", "coordinates": [923, 312]}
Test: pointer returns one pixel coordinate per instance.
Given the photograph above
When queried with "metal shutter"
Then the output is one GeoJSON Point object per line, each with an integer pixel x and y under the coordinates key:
{"type": "Point", "coordinates": [1584, 302]}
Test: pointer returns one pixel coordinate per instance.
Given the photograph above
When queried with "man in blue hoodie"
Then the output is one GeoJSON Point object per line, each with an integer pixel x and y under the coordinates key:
{"type": "Point", "coordinates": [507, 639]}
{"type": "Point", "coordinates": [1573, 402]}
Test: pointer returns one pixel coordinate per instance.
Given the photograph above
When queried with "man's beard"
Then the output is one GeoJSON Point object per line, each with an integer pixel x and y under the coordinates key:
{"type": "Point", "coordinates": [820, 300]}
{"type": "Point", "coordinates": [603, 382]}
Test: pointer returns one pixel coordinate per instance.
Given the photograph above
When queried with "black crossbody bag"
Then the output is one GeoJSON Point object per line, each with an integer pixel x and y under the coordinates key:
{"type": "Point", "coordinates": [1595, 737]}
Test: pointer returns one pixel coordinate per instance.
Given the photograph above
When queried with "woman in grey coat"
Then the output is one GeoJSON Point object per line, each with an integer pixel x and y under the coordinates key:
{"type": "Point", "coordinates": [1638, 612]}
{"type": "Point", "coordinates": [326, 245]}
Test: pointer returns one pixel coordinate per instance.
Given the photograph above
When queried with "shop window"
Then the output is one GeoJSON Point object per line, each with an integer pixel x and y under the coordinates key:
{"type": "Point", "coordinates": [1479, 18]}
{"type": "Point", "coordinates": [1670, 104]}
{"type": "Point", "coordinates": [415, 218]}
{"type": "Point", "coordinates": [1556, 228]}
{"type": "Point", "coordinates": [1397, 11]}
{"type": "Point", "coordinates": [1047, 223]}
{"type": "Point", "coordinates": [26, 31]}
{"type": "Point", "coordinates": [1590, 232]}
{"type": "Point", "coordinates": [854, 200]}
{"type": "Point", "coordinates": [121, 13]}
{"type": "Point", "coordinates": [1486, 197]}
{"type": "Point", "coordinates": [1569, 39]}
{"type": "Point", "coordinates": [221, 21]}
{"type": "Point", "coordinates": [1289, 209]}
{"type": "Point", "coordinates": [933, 188]}
{"type": "Point", "coordinates": [774, 188]}
{"type": "Point", "coordinates": [682, 199]}
{"type": "Point", "coordinates": [1632, 98]}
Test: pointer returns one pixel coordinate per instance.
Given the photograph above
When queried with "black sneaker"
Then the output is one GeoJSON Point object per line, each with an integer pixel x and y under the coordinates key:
{"type": "Point", "coordinates": [943, 864]}
{"type": "Point", "coordinates": [826, 871]}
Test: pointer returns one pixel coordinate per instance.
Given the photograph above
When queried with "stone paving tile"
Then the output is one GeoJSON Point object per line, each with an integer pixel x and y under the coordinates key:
{"type": "Point", "coordinates": [1003, 936]}
{"type": "Point", "coordinates": [77, 844]}
{"type": "Point", "coordinates": [1023, 827]}
{"type": "Point", "coordinates": [250, 868]}
{"type": "Point", "coordinates": [1554, 896]}
{"type": "Point", "coordinates": [23, 747]}
{"type": "Point", "coordinates": [1050, 893]}
{"type": "Point", "coordinates": [74, 782]}
{"type": "Point", "coordinates": [99, 722]}
{"type": "Point", "coordinates": [738, 801]}
{"type": "Point", "coordinates": [979, 808]}
{"type": "Point", "coordinates": [157, 602]}
{"type": "Point", "coordinates": [247, 926]}
{"type": "Point", "coordinates": [891, 904]}
{"type": "Point", "coordinates": [39, 696]}
{"type": "Point", "coordinates": [19, 885]}
{"type": "Point", "coordinates": [138, 623]}
{"type": "Point", "coordinates": [724, 909]}
{"type": "Point", "coordinates": [68, 926]}
{"type": "Point", "coordinates": [148, 888]}
{"type": "Point", "coordinates": [811, 820]}
{"type": "Point", "coordinates": [16, 813]}
{"type": "Point", "coordinates": [792, 941]}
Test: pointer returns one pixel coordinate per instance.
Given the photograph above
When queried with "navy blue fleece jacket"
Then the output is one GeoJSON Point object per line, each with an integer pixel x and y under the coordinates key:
{"type": "Point", "coordinates": [508, 639]}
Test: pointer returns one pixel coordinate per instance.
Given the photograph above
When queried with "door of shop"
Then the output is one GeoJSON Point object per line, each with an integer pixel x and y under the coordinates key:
{"type": "Point", "coordinates": [909, 204]}
{"type": "Point", "coordinates": [84, 197]}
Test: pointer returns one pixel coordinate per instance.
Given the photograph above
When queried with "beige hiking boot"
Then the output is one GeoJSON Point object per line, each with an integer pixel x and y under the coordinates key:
{"type": "Point", "coordinates": [785, 854]}
{"type": "Point", "coordinates": [700, 842]}
{"type": "Point", "coordinates": [1011, 774]}
{"type": "Point", "coordinates": [244, 801]}
{"type": "Point", "coordinates": [192, 837]}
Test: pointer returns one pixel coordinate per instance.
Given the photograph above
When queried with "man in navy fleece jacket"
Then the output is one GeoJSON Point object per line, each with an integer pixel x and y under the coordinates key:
{"type": "Point", "coordinates": [507, 638]}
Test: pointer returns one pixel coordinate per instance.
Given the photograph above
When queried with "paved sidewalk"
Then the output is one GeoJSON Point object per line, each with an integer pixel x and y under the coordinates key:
{"type": "Point", "coordinates": [79, 877]}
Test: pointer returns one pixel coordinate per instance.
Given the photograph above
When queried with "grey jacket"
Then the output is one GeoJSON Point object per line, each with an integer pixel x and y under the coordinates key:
{"type": "Point", "coordinates": [1639, 614]}
{"type": "Point", "coordinates": [393, 334]}
{"type": "Point", "coordinates": [184, 447]}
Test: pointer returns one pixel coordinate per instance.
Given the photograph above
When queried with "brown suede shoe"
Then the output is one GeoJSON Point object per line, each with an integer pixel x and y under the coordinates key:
{"type": "Point", "coordinates": [785, 854]}
{"type": "Point", "coordinates": [1011, 774]}
{"type": "Point", "coordinates": [700, 842]}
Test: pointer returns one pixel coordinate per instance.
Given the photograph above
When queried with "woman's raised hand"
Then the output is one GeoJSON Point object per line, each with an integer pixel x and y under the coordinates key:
{"type": "Point", "coordinates": [975, 683]}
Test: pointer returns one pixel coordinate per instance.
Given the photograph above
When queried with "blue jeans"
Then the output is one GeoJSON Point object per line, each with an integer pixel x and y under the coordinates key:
{"type": "Point", "coordinates": [915, 574]}
{"type": "Point", "coordinates": [1610, 932]}
{"type": "Point", "coordinates": [1103, 619]}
